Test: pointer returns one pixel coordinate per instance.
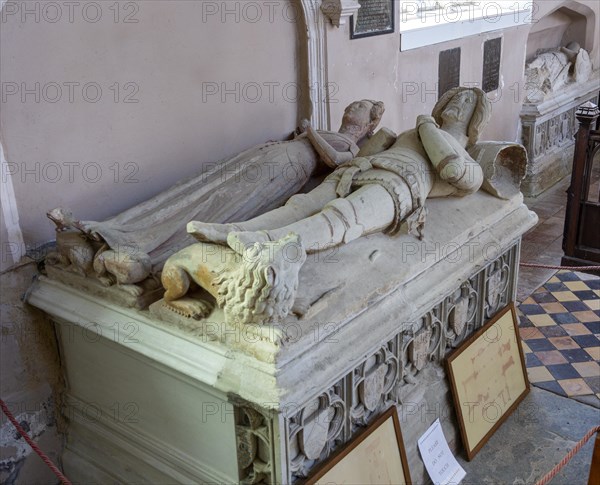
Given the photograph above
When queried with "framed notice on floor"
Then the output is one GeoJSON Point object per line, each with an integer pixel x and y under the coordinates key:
{"type": "Point", "coordinates": [488, 378]}
{"type": "Point", "coordinates": [375, 456]}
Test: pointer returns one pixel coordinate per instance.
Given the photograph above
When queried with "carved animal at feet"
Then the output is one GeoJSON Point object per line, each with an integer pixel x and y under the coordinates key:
{"type": "Point", "coordinates": [255, 286]}
{"type": "Point", "coordinates": [124, 266]}
{"type": "Point", "coordinates": [63, 219]}
{"type": "Point", "coordinates": [74, 252]}
{"type": "Point", "coordinates": [264, 286]}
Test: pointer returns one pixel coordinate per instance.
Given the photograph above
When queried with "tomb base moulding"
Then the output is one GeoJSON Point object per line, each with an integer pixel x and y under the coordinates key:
{"type": "Point", "coordinates": [178, 400]}
{"type": "Point", "coordinates": [548, 130]}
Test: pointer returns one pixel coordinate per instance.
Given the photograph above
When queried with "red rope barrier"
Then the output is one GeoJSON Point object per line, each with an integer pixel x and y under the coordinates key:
{"type": "Point", "coordinates": [34, 446]}
{"type": "Point", "coordinates": [552, 473]}
{"type": "Point", "coordinates": [572, 268]}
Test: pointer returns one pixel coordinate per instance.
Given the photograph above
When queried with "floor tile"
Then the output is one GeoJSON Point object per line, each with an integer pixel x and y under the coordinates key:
{"type": "Point", "coordinates": [553, 307]}
{"type": "Point", "coordinates": [542, 344]}
{"type": "Point", "coordinates": [564, 318]}
{"type": "Point", "coordinates": [587, 369]}
{"type": "Point", "coordinates": [593, 383]}
{"type": "Point", "coordinates": [544, 297]}
{"type": "Point", "coordinates": [586, 316]}
{"type": "Point", "coordinates": [553, 357]}
{"type": "Point", "coordinates": [562, 343]}
{"type": "Point", "coordinates": [552, 331]}
{"type": "Point", "coordinates": [539, 374]}
{"type": "Point", "coordinates": [585, 296]}
{"type": "Point", "coordinates": [566, 275]}
{"type": "Point", "coordinates": [576, 329]}
{"type": "Point", "coordinates": [558, 286]}
{"type": "Point", "coordinates": [593, 327]}
{"type": "Point", "coordinates": [589, 277]}
{"type": "Point", "coordinates": [563, 371]}
{"type": "Point", "coordinates": [542, 320]}
{"type": "Point", "coordinates": [531, 360]}
{"type": "Point", "coordinates": [592, 304]}
{"type": "Point", "coordinates": [586, 340]}
{"type": "Point", "coordinates": [594, 352]}
{"type": "Point", "coordinates": [559, 323]}
{"type": "Point", "coordinates": [529, 333]}
{"type": "Point", "coordinates": [576, 355]}
{"type": "Point", "coordinates": [532, 309]}
{"type": "Point", "coordinates": [575, 306]}
{"type": "Point", "coordinates": [551, 386]}
{"type": "Point", "coordinates": [565, 296]}
{"type": "Point", "coordinates": [577, 286]}
{"type": "Point", "coordinates": [575, 387]}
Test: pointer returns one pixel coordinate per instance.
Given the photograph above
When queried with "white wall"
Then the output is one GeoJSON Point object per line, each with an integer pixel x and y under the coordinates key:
{"type": "Point", "coordinates": [407, 81]}
{"type": "Point", "coordinates": [172, 129]}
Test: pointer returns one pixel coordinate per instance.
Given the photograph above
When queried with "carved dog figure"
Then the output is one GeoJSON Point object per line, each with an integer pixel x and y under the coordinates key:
{"type": "Point", "coordinates": [123, 265]}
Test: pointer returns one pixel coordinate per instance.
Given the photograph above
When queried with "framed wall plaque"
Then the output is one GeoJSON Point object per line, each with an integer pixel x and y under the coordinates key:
{"type": "Point", "coordinates": [488, 379]}
{"type": "Point", "coordinates": [492, 55]}
{"type": "Point", "coordinates": [375, 456]}
{"type": "Point", "coordinates": [374, 17]}
{"type": "Point", "coordinates": [448, 70]}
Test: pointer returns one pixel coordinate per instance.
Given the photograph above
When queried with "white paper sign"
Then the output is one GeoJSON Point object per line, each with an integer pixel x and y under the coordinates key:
{"type": "Point", "coordinates": [441, 465]}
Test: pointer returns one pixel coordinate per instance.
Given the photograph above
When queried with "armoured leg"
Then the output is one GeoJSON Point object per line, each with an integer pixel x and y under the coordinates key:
{"type": "Point", "coordinates": [369, 209]}
{"type": "Point", "coordinates": [296, 208]}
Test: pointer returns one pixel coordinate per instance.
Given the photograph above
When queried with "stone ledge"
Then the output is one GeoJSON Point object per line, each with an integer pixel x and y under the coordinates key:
{"type": "Point", "coordinates": [267, 372]}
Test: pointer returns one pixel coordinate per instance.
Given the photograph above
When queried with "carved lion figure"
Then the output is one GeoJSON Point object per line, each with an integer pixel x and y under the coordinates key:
{"type": "Point", "coordinates": [263, 288]}
{"type": "Point", "coordinates": [256, 285]}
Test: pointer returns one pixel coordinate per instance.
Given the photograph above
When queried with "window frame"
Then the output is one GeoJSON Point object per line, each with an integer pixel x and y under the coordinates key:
{"type": "Point", "coordinates": [456, 19]}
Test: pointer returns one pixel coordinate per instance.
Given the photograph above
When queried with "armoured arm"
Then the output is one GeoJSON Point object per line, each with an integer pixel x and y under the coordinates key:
{"type": "Point", "coordinates": [454, 165]}
{"type": "Point", "coordinates": [328, 154]}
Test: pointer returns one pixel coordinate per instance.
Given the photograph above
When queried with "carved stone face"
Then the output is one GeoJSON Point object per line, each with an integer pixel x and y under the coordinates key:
{"type": "Point", "coordinates": [460, 108]}
{"type": "Point", "coordinates": [358, 114]}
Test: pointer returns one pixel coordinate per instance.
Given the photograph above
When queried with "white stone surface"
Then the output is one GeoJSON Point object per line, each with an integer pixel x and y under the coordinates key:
{"type": "Point", "coordinates": [175, 375]}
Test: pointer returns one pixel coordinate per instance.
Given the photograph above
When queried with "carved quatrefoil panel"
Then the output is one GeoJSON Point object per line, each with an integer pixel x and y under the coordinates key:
{"type": "Point", "coordinates": [461, 310]}
{"type": "Point", "coordinates": [372, 382]}
{"type": "Point", "coordinates": [316, 430]}
{"type": "Point", "coordinates": [497, 279]}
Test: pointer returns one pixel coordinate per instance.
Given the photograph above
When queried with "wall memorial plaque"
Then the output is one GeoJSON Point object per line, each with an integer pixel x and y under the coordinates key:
{"type": "Point", "coordinates": [448, 70]}
{"type": "Point", "coordinates": [492, 53]}
{"type": "Point", "coordinates": [375, 17]}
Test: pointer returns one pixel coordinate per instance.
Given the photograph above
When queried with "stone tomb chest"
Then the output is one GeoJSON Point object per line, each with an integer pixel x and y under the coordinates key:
{"type": "Point", "coordinates": [150, 400]}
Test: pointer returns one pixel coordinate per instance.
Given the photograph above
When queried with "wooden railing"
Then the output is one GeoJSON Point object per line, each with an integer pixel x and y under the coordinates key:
{"type": "Point", "coordinates": [581, 236]}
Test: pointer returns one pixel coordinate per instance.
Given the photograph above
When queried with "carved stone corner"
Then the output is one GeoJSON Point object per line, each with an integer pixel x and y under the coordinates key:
{"type": "Point", "coordinates": [254, 446]}
{"type": "Point", "coordinates": [338, 11]}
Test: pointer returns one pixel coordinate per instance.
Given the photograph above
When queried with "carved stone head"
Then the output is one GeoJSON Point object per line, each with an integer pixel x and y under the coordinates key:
{"type": "Point", "coordinates": [362, 117]}
{"type": "Point", "coordinates": [263, 287]}
{"type": "Point", "coordinates": [468, 105]}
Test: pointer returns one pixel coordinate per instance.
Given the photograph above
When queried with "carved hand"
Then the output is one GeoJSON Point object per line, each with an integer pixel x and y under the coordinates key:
{"type": "Point", "coordinates": [444, 157]}
{"type": "Point", "coordinates": [304, 125]}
